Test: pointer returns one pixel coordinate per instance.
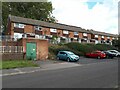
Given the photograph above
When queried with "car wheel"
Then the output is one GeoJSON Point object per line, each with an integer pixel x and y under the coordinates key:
{"type": "Point", "coordinates": [98, 57]}
{"type": "Point", "coordinates": [58, 58]}
{"type": "Point", "coordinates": [107, 56]}
{"type": "Point", "coordinates": [68, 59]}
{"type": "Point", "coordinates": [111, 57]}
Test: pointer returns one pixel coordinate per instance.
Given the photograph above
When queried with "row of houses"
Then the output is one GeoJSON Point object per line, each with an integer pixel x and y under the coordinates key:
{"type": "Point", "coordinates": [19, 27]}
{"type": "Point", "coordinates": [29, 39]}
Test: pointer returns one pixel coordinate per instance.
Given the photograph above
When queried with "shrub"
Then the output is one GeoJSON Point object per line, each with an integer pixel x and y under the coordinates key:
{"type": "Point", "coordinates": [77, 48]}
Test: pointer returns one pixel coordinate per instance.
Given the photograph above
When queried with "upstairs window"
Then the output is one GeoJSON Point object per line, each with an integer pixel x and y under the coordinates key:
{"type": "Point", "coordinates": [75, 33]}
{"type": "Point", "coordinates": [53, 30]}
{"type": "Point", "coordinates": [37, 28]}
{"type": "Point", "coordinates": [84, 34]}
{"type": "Point", "coordinates": [108, 37]}
{"type": "Point", "coordinates": [19, 25]}
{"type": "Point", "coordinates": [102, 36]}
{"type": "Point", "coordinates": [65, 32]}
{"type": "Point", "coordinates": [113, 38]}
{"type": "Point", "coordinates": [96, 36]}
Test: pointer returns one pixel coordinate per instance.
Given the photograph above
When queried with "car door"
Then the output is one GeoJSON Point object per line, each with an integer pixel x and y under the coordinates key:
{"type": "Point", "coordinates": [94, 54]}
{"type": "Point", "coordinates": [61, 55]}
{"type": "Point", "coordinates": [64, 55]}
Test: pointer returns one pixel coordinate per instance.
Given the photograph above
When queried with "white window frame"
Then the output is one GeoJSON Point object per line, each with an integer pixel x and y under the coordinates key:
{"type": "Point", "coordinates": [18, 34]}
{"type": "Point", "coordinates": [16, 25]}
{"type": "Point", "coordinates": [113, 38]}
{"type": "Point", "coordinates": [39, 28]}
{"type": "Point", "coordinates": [84, 34]}
{"type": "Point", "coordinates": [75, 38]}
{"type": "Point", "coordinates": [108, 37]}
{"type": "Point", "coordinates": [76, 33]}
{"type": "Point", "coordinates": [65, 32]}
{"type": "Point", "coordinates": [37, 36]}
{"type": "Point", "coordinates": [19, 25]}
{"type": "Point", "coordinates": [96, 36]}
{"type": "Point", "coordinates": [53, 30]}
{"type": "Point", "coordinates": [102, 36]}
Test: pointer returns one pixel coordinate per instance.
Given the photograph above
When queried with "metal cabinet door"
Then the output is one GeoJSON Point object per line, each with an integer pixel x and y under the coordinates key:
{"type": "Point", "coordinates": [31, 51]}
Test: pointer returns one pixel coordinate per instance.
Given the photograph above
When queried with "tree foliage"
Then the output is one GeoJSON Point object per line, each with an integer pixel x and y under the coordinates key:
{"type": "Point", "coordinates": [116, 42]}
{"type": "Point", "coordinates": [34, 10]}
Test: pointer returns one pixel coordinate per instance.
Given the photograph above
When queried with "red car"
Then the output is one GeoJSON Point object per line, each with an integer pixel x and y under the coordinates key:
{"type": "Point", "coordinates": [96, 54]}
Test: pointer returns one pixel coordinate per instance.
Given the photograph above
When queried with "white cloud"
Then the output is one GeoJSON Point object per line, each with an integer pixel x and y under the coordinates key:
{"type": "Point", "coordinates": [102, 17]}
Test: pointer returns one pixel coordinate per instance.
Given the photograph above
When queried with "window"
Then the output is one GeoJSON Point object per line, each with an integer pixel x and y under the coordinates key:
{"type": "Point", "coordinates": [65, 32]}
{"type": "Point", "coordinates": [18, 25]}
{"type": "Point", "coordinates": [84, 34]}
{"type": "Point", "coordinates": [62, 53]}
{"type": "Point", "coordinates": [17, 35]}
{"type": "Point", "coordinates": [53, 30]}
{"type": "Point", "coordinates": [113, 38]}
{"type": "Point", "coordinates": [21, 25]}
{"type": "Point", "coordinates": [75, 33]}
{"type": "Point", "coordinates": [37, 28]}
{"type": "Point", "coordinates": [102, 36]}
{"type": "Point", "coordinates": [96, 36]}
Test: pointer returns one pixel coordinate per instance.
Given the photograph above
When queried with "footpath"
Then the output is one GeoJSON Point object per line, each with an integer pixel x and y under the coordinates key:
{"type": "Point", "coordinates": [43, 65]}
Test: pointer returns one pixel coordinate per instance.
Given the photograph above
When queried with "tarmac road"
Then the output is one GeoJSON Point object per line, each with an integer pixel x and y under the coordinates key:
{"type": "Point", "coordinates": [100, 74]}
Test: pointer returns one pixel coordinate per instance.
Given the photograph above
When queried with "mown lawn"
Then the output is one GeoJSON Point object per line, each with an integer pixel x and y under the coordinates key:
{"type": "Point", "coordinates": [17, 64]}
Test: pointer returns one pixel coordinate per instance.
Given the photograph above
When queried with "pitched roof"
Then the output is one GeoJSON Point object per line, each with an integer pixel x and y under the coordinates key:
{"type": "Point", "coordinates": [102, 33]}
{"type": "Point", "coordinates": [55, 25]}
{"type": "Point", "coordinates": [46, 24]}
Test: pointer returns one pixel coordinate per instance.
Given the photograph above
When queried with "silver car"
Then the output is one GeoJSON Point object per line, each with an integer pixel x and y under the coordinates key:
{"type": "Point", "coordinates": [115, 52]}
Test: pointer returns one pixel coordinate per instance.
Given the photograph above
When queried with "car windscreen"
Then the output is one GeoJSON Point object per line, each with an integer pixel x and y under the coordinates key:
{"type": "Point", "coordinates": [70, 53]}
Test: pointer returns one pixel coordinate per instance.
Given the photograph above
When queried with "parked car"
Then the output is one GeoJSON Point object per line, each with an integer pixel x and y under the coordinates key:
{"type": "Point", "coordinates": [115, 52]}
{"type": "Point", "coordinates": [109, 54]}
{"type": "Point", "coordinates": [67, 55]}
{"type": "Point", "coordinates": [96, 54]}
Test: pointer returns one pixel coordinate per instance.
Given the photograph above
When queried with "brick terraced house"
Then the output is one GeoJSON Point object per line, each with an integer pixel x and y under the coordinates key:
{"type": "Point", "coordinates": [19, 27]}
{"type": "Point", "coordinates": [29, 38]}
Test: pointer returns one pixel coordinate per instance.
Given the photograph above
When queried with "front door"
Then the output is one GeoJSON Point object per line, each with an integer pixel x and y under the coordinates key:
{"type": "Point", "coordinates": [31, 51]}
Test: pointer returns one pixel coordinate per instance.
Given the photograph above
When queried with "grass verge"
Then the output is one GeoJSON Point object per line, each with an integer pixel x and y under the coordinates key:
{"type": "Point", "coordinates": [17, 64]}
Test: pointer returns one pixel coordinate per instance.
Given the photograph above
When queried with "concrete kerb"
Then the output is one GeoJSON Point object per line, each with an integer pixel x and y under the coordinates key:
{"type": "Point", "coordinates": [45, 66]}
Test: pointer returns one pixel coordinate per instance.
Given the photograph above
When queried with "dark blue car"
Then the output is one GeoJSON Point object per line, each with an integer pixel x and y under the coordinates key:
{"type": "Point", "coordinates": [67, 55]}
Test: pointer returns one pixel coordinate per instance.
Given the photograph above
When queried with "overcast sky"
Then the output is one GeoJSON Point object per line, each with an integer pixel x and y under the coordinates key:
{"type": "Point", "coordinates": [99, 15]}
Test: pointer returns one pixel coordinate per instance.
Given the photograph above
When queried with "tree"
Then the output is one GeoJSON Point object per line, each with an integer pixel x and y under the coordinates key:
{"type": "Point", "coordinates": [116, 42]}
{"type": "Point", "coordinates": [34, 10]}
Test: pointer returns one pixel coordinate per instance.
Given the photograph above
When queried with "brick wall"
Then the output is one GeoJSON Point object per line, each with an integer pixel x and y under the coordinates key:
{"type": "Point", "coordinates": [42, 47]}
{"type": "Point", "coordinates": [80, 35]}
{"type": "Point", "coordinates": [60, 33]}
{"type": "Point", "coordinates": [105, 37]}
{"type": "Point", "coordinates": [99, 37]}
{"type": "Point", "coordinates": [12, 56]}
{"type": "Point", "coordinates": [71, 34]}
{"type": "Point", "coordinates": [110, 38]}
{"type": "Point", "coordinates": [89, 36]}
{"type": "Point", "coordinates": [29, 29]}
{"type": "Point", "coordinates": [46, 31]}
